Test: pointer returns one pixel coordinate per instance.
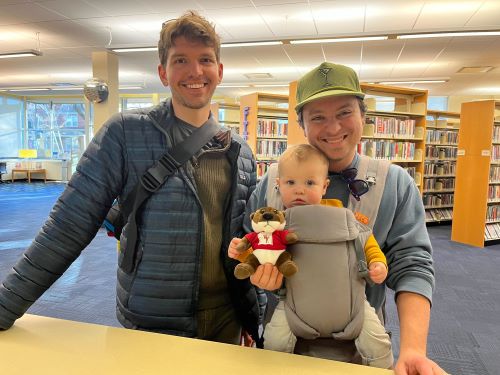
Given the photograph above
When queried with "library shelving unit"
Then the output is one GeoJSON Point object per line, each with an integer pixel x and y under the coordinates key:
{"type": "Point", "coordinates": [476, 219]}
{"type": "Point", "coordinates": [295, 132]}
{"type": "Point", "coordinates": [441, 144]}
{"type": "Point", "coordinates": [227, 114]}
{"type": "Point", "coordinates": [264, 125]}
{"type": "Point", "coordinates": [397, 134]}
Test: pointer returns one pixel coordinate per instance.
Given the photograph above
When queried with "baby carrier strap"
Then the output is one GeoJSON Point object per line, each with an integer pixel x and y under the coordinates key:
{"type": "Point", "coordinates": [373, 171]}
{"type": "Point", "coordinates": [325, 298]}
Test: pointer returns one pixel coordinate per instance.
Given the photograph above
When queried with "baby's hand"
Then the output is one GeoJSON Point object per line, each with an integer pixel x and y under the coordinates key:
{"type": "Point", "coordinates": [231, 251]}
{"type": "Point", "coordinates": [377, 272]}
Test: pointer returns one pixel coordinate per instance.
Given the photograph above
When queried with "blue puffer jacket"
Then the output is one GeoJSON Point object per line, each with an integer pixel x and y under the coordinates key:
{"type": "Point", "coordinates": [161, 293]}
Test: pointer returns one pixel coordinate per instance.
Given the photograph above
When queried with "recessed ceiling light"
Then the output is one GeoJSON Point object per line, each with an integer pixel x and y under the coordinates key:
{"type": "Point", "coordinates": [475, 69]}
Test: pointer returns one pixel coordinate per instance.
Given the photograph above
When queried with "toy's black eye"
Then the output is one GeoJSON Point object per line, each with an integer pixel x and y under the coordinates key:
{"type": "Point", "coordinates": [276, 211]}
{"type": "Point", "coordinates": [262, 211]}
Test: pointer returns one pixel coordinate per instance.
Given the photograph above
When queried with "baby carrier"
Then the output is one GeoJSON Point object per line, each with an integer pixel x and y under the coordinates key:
{"type": "Point", "coordinates": [325, 298]}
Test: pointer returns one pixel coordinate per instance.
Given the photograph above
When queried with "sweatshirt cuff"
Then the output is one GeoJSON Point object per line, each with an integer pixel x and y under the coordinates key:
{"type": "Point", "coordinates": [415, 285]}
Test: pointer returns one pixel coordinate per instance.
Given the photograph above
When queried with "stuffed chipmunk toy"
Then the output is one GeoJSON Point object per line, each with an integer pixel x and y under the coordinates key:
{"type": "Point", "coordinates": [268, 241]}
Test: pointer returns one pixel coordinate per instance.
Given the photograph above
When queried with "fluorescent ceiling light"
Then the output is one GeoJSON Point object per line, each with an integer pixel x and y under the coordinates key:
{"type": "Point", "coordinates": [26, 53]}
{"type": "Point", "coordinates": [232, 86]}
{"type": "Point", "coordinates": [251, 44]}
{"type": "Point", "coordinates": [66, 88]}
{"type": "Point", "coordinates": [448, 34]}
{"type": "Point", "coordinates": [340, 40]}
{"type": "Point", "coordinates": [407, 82]}
{"type": "Point", "coordinates": [134, 49]}
{"type": "Point", "coordinates": [271, 85]}
{"type": "Point", "coordinates": [130, 87]}
{"type": "Point", "coordinates": [30, 89]}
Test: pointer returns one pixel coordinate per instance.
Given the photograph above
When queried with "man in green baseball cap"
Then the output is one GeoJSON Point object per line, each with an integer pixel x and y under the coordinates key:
{"type": "Point", "coordinates": [331, 112]}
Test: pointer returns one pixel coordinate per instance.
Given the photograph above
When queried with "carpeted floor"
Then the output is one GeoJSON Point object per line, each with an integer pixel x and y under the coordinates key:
{"type": "Point", "coordinates": [464, 335]}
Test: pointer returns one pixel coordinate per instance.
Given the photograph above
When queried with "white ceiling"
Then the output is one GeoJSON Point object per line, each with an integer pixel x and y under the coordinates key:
{"type": "Point", "coordinates": [69, 31]}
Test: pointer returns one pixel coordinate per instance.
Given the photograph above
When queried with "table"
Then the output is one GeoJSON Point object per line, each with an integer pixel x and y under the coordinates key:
{"type": "Point", "coordinates": [29, 172]}
{"type": "Point", "coordinates": [41, 345]}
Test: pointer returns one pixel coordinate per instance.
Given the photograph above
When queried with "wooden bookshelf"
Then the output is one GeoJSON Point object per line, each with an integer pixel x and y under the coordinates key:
{"type": "Point", "coordinates": [227, 114]}
{"type": "Point", "coordinates": [477, 190]}
{"type": "Point", "coordinates": [295, 132]}
{"type": "Point", "coordinates": [264, 125]}
{"type": "Point", "coordinates": [441, 144]}
{"type": "Point", "coordinates": [396, 134]}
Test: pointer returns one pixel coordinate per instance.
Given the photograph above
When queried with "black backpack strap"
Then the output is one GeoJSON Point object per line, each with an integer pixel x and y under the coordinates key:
{"type": "Point", "coordinates": [154, 178]}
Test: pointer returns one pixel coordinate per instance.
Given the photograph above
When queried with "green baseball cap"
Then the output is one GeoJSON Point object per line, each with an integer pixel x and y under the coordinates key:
{"type": "Point", "coordinates": [325, 80]}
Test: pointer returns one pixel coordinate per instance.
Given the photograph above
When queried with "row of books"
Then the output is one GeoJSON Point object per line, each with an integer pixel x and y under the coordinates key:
{"type": "Point", "coordinates": [262, 167]}
{"type": "Point", "coordinates": [272, 128]}
{"type": "Point", "coordinates": [493, 192]}
{"type": "Point", "coordinates": [441, 168]}
{"type": "Point", "coordinates": [411, 171]}
{"type": "Point", "coordinates": [494, 173]}
{"type": "Point", "coordinates": [440, 152]}
{"type": "Point", "coordinates": [438, 214]}
{"type": "Point", "coordinates": [439, 184]}
{"type": "Point", "coordinates": [270, 148]}
{"type": "Point", "coordinates": [496, 134]}
{"type": "Point", "coordinates": [441, 136]}
{"type": "Point", "coordinates": [391, 126]}
{"type": "Point", "coordinates": [388, 150]}
{"type": "Point", "coordinates": [432, 200]}
{"type": "Point", "coordinates": [492, 231]}
{"type": "Point", "coordinates": [495, 153]}
{"type": "Point", "coordinates": [493, 213]}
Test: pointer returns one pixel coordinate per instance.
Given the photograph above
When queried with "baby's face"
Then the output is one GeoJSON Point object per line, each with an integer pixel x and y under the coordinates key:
{"type": "Point", "coordinates": [302, 183]}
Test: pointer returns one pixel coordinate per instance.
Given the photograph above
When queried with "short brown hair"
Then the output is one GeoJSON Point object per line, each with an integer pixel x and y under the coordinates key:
{"type": "Point", "coordinates": [193, 27]}
{"type": "Point", "coordinates": [301, 153]}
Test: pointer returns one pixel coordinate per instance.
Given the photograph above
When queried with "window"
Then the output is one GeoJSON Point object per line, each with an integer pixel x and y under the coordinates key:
{"type": "Point", "coordinates": [11, 126]}
{"type": "Point", "coordinates": [56, 130]}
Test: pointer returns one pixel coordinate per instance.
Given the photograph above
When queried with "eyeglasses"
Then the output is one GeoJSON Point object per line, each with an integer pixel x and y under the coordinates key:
{"type": "Point", "coordinates": [356, 187]}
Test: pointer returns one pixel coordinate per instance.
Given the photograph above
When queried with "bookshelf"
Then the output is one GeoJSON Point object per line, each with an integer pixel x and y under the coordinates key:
{"type": "Point", "coordinates": [264, 125]}
{"type": "Point", "coordinates": [441, 144]}
{"type": "Point", "coordinates": [395, 131]}
{"type": "Point", "coordinates": [477, 190]}
{"type": "Point", "coordinates": [227, 114]}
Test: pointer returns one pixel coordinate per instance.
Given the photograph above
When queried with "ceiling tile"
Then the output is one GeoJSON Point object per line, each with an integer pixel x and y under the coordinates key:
{"type": "Point", "coordinates": [121, 8]}
{"type": "Point", "coordinates": [391, 15]}
{"type": "Point", "coordinates": [240, 24]}
{"type": "Point", "coordinates": [441, 15]}
{"type": "Point", "coordinates": [338, 17]}
{"type": "Point", "coordinates": [487, 15]}
{"type": "Point", "coordinates": [26, 12]}
{"type": "Point", "coordinates": [222, 4]}
{"type": "Point", "coordinates": [292, 20]}
{"type": "Point", "coordinates": [72, 9]}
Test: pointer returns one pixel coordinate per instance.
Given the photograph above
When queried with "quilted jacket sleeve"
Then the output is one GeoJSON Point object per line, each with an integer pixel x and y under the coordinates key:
{"type": "Point", "coordinates": [72, 223]}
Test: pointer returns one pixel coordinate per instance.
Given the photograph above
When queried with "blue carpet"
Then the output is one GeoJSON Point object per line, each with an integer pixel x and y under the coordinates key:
{"type": "Point", "coordinates": [464, 335]}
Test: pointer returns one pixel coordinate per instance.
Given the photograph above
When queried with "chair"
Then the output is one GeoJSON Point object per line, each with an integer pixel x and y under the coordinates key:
{"type": "Point", "coordinates": [3, 170]}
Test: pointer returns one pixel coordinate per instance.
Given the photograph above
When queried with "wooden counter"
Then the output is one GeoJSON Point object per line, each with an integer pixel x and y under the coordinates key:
{"type": "Point", "coordinates": [41, 345]}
